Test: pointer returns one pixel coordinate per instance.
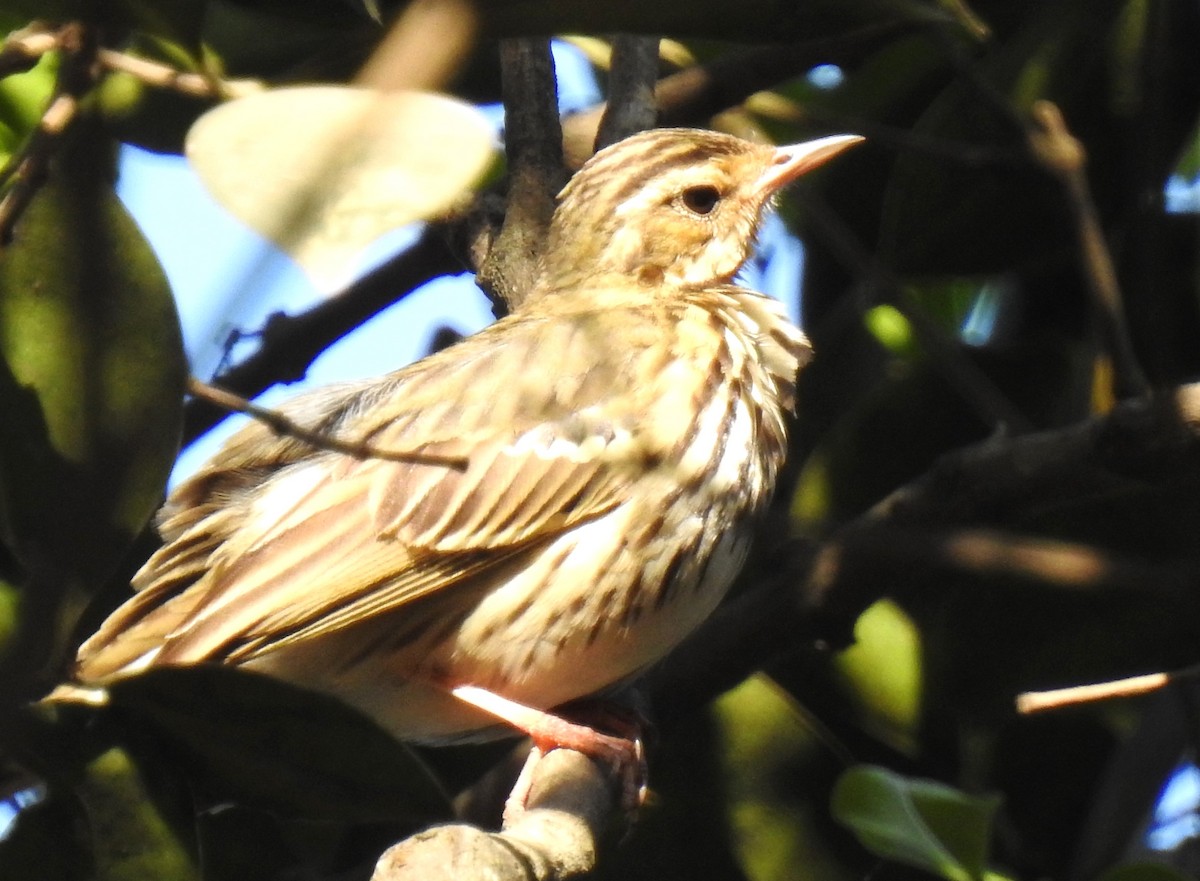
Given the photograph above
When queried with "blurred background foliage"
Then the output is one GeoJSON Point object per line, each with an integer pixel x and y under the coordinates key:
{"type": "Point", "coordinates": [952, 530]}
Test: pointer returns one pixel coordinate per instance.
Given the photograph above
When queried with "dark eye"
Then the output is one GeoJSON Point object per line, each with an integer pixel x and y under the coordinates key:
{"type": "Point", "coordinates": [701, 200]}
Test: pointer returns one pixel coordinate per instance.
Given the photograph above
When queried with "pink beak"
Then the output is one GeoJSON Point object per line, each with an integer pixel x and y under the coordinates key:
{"type": "Point", "coordinates": [796, 159]}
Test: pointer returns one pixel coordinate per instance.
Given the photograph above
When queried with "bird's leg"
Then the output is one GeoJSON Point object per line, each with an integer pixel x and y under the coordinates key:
{"type": "Point", "coordinates": [623, 752]}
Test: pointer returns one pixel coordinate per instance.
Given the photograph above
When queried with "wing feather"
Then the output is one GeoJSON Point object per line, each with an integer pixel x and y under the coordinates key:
{"type": "Point", "coordinates": [274, 542]}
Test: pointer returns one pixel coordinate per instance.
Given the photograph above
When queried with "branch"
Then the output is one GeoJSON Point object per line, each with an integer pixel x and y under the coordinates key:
{"type": "Point", "coordinates": [26, 171]}
{"type": "Point", "coordinates": [631, 105]}
{"type": "Point", "coordinates": [556, 837]}
{"type": "Point", "coordinates": [533, 145]}
{"type": "Point", "coordinates": [23, 49]}
{"type": "Point", "coordinates": [291, 343]}
{"type": "Point", "coordinates": [1150, 440]}
{"type": "Point", "coordinates": [961, 372]}
{"type": "Point", "coordinates": [696, 94]}
{"type": "Point", "coordinates": [1064, 156]}
{"type": "Point", "coordinates": [164, 76]}
{"type": "Point", "coordinates": [1132, 686]}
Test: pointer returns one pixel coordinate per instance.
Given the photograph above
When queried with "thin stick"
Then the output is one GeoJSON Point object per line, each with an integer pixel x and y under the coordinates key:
{"type": "Point", "coordinates": [1062, 154]}
{"type": "Point", "coordinates": [26, 171]}
{"type": "Point", "coordinates": [164, 76]}
{"type": "Point", "coordinates": [282, 425]}
{"type": "Point", "coordinates": [1039, 701]}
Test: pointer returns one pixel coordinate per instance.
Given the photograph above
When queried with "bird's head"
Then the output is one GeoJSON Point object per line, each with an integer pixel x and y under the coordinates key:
{"type": "Point", "coordinates": [675, 206]}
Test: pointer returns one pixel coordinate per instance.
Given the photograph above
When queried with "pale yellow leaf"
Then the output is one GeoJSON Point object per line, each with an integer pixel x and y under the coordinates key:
{"type": "Point", "coordinates": [324, 171]}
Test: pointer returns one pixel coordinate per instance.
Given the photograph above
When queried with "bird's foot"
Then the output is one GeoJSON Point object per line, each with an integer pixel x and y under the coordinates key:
{"type": "Point", "coordinates": [622, 750]}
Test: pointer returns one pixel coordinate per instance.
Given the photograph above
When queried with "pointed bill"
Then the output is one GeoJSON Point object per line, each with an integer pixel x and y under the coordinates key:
{"type": "Point", "coordinates": [796, 159]}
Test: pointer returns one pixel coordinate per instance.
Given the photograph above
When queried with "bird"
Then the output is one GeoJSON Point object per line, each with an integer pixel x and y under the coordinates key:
{"type": "Point", "coordinates": [556, 501]}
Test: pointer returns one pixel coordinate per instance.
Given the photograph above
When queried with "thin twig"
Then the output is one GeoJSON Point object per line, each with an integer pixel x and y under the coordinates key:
{"type": "Point", "coordinates": [23, 49]}
{"type": "Point", "coordinates": [163, 76]}
{"type": "Point", "coordinates": [973, 384]}
{"type": "Point", "coordinates": [1040, 701]}
{"type": "Point", "coordinates": [283, 425]}
{"type": "Point", "coordinates": [26, 172]}
{"type": "Point", "coordinates": [290, 343]}
{"type": "Point", "coordinates": [1064, 156]}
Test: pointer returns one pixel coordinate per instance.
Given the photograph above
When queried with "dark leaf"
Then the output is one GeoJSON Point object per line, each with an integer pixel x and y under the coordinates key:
{"type": "Point", "coordinates": [91, 378]}
{"type": "Point", "coordinates": [281, 747]}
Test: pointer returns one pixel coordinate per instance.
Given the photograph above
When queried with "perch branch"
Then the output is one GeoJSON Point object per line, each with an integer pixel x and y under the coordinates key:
{"type": "Point", "coordinates": [557, 836]}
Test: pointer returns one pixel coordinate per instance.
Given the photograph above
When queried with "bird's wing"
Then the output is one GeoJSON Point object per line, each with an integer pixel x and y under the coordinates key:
{"type": "Point", "coordinates": [328, 538]}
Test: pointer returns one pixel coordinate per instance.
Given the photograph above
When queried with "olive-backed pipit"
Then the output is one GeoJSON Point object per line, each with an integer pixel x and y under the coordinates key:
{"type": "Point", "coordinates": [620, 431]}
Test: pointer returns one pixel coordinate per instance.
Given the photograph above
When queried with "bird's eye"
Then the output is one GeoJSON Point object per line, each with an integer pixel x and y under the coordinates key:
{"type": "Point", "coordinates": [701, 200]}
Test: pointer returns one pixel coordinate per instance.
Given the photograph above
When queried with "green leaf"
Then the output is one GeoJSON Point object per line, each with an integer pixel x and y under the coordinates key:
{"type": "Point", "coordinates": [132, 839]}
{"type": "Point", "coordinates": [23, 100]}
{"type": "Point", "coordinates": [884, 667]}
{"type": "Point", "coordinates": [105, 827]}
{"type": "Point", "coordinates": [765, 741]}
{"type": "Point", "coordinates": [281, 747]}
{"type": "Point", "coordinates": [888, 325]}
{"type": "Point", "coordinates": [91, 377]}
{"type": "Point", "coordinates": [920, 823]}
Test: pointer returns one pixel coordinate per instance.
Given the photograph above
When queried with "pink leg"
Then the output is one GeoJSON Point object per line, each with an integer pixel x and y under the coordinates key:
{"type": "Point", "coordinates": [622, 753]}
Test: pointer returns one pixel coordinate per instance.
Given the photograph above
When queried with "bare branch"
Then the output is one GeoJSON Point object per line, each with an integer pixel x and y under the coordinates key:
{"type": "Point", "coordinates": [1132, 686]}
{"type": "Point", "coordinates": [164, 76]}
{"type": "Point", "coordinates": [291, 343]}
{"type": "Point", "coordinates": [1153, 439]}
{"type": "Point", "coordinates": [631, 105]}
{"type": "Point", "coordinates": [26, 171]}
{"type": "Point", "coordinates": [1064, 156]}
{"type": "Point", "coordinates": [556, 837]}
{"type": "Point", "coordinates": [23, 49]}
{"type": "Point", "coordinates": [533, 144]}
{"type": "Point", "coordinates": [694, 95]}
